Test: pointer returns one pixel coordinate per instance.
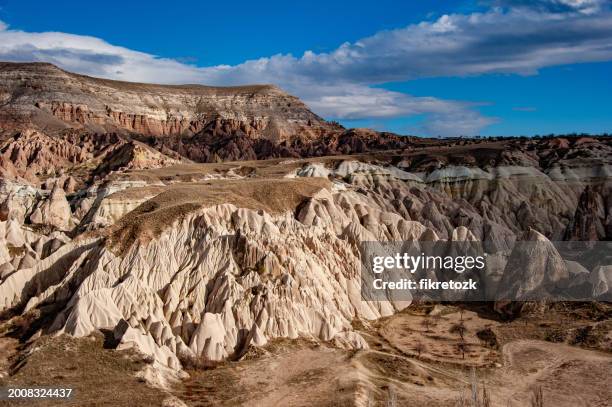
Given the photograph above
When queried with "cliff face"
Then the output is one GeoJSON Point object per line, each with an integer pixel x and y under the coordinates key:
{"type": "Point", "coordinates": [47, 97]}
{"type": "Point", "coordinates": [199, 123]}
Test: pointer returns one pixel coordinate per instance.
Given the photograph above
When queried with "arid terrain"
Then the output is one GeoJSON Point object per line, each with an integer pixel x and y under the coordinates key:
{"type": "Point", "coordinates": [191, 245]}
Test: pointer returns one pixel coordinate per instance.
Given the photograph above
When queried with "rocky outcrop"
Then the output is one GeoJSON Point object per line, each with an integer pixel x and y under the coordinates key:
{"type": "Point", "coordinates": [48, 97]}
{"type": "Point", "coordinates": [601, 281]}
{"type": "Point", "coordinates": [41, 154]}
{"type": "Point", "coordinates": [53, 120]}
{"type": "Point", "coordinates": [133, 155]}
{"type": "Point", "coordinates": [231, 143]}
{"type": "Point", "coordinates": [104, 216]}
{"type": "Point", "coordinates": [535, 271]}
{"type": "Point", "coordinates": [54, 211]}
{"type": "Point", "coordinates": [592, 215]}
{"type": "Point", "coordinates": [181, 263]}
{"type": "Point", "coordinates": [216, 282]}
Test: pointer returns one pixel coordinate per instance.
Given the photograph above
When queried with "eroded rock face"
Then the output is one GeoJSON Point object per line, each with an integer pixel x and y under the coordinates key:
{"type": "Point", "coordinates": [39, 153]}
{"type": "Point", "coordinates": [197, 265]}
{"type": "Point", "coordinates": [601, 280]}
{"type": "Point", "coordinates": [216, 282]}
{"type": "Point", "coordinates": [535, 272]}
{"type": "Point", "coordinates": [49, 95]}
{"type": "Point", "coordinates": [121, 231]}
{"type": "Point", "coordinates": [199, 123]}
{"type": "Point", "coordinates": [54, 211]}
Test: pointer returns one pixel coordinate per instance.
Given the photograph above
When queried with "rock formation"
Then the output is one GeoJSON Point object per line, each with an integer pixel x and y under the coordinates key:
{"type": "Point", "coordinates": [53, 211]}
{"type": "Point", "coordinates": [183, 264]}
{"type": "Point", "coordinates": [48, 97]}
{"type": "Point", "coordinates": [107, 223]}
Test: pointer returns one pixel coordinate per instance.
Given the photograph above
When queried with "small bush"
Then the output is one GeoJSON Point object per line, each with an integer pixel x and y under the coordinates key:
{"type": "Point", "coordinates": [555, 335]}
{"type": "Point", "coordinates": [584, 336]}
{"type": "Point", "coordinates": [488, 337]}
{"type": "Point", "coordinates": [419, 348]}
{"type": "Point", "coordinates": [426, 323]}
{"type": "Point", "coordinates": [458, 329]}
{"type": "Point", "coordinates": [462, 347]}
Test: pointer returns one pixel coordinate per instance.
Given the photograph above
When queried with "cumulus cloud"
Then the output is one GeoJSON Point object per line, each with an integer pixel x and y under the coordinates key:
{"type": "Point", "coordinates": [515, 41]}
{"type": "Point", "coordinates": [354, 102]}
{"type": "Point", "coordinates": [511, 37]}
{"type": "Point", "coordinates": [92, 56]}
{"type": "Point", "coordinates": [557, 6]}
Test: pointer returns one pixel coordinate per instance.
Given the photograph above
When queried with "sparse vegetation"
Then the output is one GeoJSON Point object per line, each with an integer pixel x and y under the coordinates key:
{"type": "Point", "coordinates": [459, 329]}
{"type": "Point", "coordinates": [426, 323]}
{"type": "Point", "coordinates": [488, 337]}
{"type": "Point", "coordinates": [555, 335]}
{"type": "Point", "coordinates": [190, 362]}
{"type": "Point", "coordinates": [584, 336]}
{"type": "Point", "coordinates": [537, 397]}
{"type": "Point", "coordinates": [15, 251]}
{"type": "Point", "coordinates": [419, 348]}
{"type": "Point", "coordinates": [477, 398]}
{"type": "Point", "coordinates": [99, 377]}
{"type": "Point", "coordinates": [462, 348]}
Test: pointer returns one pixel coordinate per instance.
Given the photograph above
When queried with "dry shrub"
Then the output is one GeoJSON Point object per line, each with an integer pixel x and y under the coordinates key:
{"type": "Point", "coordinates": [458, 329]}
{"type": "Point", "coordinates": [584, 336]}
{"type": "Point", "coordinates": [537, 397]}
{"type": "Point", "coordinates": [419, 348]}
{"type": "Point", "coordinates": [555, 335]}
{"type": "Point", "coordinates": [477, 397]}
{"type": "Point", "coordinates": [488, 337]}
{"type": "Point", "coordinates": [191, 362]}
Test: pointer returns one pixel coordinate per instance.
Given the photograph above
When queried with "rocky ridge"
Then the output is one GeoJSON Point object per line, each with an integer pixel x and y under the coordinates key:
{"type": "Point", "coordinates": [107, 221]}
{"type": "Point", "coordinates": [51, 119]}
{"type": "Point", "coordinates": [51, 99]}
{"type": "Point", "coordinates": [207, 260]}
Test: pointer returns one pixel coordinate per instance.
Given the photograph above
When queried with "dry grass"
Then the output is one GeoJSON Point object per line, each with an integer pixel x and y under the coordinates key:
{"type": "Point", "coordinates": [586, 325]}
{"type": "Point", "coordinates": [157, 214]}
{"type": "Point", "coordinates": [285, 373]}
{"type": "Point", "coordinates": [450, 339]}
{"type": "Point", "coordinates": [137, 193]}
{"type": "Point", "coordinates": [99, 377]}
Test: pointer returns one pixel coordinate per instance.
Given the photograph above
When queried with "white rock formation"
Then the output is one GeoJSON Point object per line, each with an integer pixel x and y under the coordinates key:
{"type": "Point", "coordinates": [601, 280]}
{"type": "Point", "coordinates": [221, 278]}
{"type": "Point", "coordinates": [54, 210]}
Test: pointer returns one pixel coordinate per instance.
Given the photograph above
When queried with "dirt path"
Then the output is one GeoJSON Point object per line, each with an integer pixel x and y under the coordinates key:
{"type": "Point", "coordinates": [319, 376]}
{"type": "Point", "coordinates": [569, 376]}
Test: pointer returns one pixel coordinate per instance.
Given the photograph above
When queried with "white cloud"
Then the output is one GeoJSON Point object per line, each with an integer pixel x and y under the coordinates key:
{"type": "Point", "coordinates": [444, 117]}
{"type": "Point", "coordinates": [92, 56]}
{"type": "Point", "coordinates": [339, 84]}
{"type": "Point", "coordinates": [557, 6]}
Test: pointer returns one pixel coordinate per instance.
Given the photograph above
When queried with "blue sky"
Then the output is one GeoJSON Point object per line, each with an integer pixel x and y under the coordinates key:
{"type": "Point", "coordinates": [489, 67]}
